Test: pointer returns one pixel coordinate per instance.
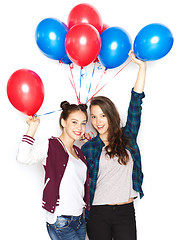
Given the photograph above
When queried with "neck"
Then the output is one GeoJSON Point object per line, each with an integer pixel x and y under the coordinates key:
{"type": "Point", "coordinates": [68, 142]}
{"type": "Point", "coordinates": [104, 139]}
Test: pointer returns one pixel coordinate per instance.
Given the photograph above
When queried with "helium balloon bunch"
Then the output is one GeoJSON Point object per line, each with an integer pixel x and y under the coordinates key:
{"type": "Point", "coordinates": [84, 40]}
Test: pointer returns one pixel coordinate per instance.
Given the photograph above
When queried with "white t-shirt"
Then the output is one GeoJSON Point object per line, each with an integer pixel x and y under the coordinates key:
{"type": "Point", "coordinates": [114, 183]}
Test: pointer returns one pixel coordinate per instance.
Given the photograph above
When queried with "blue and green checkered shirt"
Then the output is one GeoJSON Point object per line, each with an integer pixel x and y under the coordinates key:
{"type": "Point", "coordinates": [93, 148]}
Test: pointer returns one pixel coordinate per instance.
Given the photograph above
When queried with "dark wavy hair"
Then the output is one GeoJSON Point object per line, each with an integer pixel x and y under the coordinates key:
{"type": "Point", "coordinates": [70, 108]}
{"type": "Point", "coordinates": [116, 139]}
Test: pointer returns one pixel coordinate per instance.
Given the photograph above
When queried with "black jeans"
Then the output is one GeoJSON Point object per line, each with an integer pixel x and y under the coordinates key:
{"type": "Point", "coordinates": [109, 222]}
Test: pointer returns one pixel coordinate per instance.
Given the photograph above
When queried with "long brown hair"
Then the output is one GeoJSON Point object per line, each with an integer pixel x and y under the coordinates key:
{"type": "Point", "coordinates": [117, 141]}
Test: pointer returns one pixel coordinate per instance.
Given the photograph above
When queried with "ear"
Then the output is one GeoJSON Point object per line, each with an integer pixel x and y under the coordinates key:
{"type": "Point", "coordinates": [62, 122]}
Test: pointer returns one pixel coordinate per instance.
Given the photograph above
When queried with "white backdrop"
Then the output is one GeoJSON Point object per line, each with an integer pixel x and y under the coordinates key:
{"type": "Point", "coordinates": [21, 214]}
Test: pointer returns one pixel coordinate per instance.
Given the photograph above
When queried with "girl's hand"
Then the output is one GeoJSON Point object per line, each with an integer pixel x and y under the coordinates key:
{"type": "Point", "coordinates": [32, 120]}
{"type": "Point", "coordinates": [86, 137]}
{"type": "Point", "coordinates": [33, 123]}
{"type": "Point", "coordinates": [136, 60]}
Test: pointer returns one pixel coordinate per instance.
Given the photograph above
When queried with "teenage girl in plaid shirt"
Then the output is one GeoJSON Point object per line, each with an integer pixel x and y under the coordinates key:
{"type": "Point", "coordinates": [114, 163]}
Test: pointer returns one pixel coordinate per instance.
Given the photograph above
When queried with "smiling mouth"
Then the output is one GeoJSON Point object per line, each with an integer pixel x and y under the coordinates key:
{"type": "Point", "coordinates": [100, 127]}
{"type": "Point", "coordinates": [77, 133]}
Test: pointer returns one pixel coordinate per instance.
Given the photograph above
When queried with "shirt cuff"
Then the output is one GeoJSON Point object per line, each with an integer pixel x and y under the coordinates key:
{"type": "Point", "coordinates": [28, 139]}
{"type": "Point", "coordinates": [135, 94]}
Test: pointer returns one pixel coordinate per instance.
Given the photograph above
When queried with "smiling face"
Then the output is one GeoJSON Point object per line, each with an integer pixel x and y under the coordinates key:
{"type": "Point", "coordinates": [99, 121]}
{"type": "Point", "coordinates": [75, 125]}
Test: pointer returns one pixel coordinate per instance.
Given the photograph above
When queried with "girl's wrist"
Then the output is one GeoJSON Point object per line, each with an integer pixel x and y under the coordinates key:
{"type": "Point", "coordinates": [142, 64]}
{"type": "Point", "coordinates": [31, 131]}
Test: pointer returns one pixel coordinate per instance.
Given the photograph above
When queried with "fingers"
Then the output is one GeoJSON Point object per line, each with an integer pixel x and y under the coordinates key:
{"type": "Point", "coordinates": [85, 138]}
{"type": "Point", "coordinates": [132, 55]}
{"type": "Point", "coordinates": [135, 59]}
{"type": "Point", "coordinates": [131, 52]}
{"type": "Point", "coordinates": [33, 118]}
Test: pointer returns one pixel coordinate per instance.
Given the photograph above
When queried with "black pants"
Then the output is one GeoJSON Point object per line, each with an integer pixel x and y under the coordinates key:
{"type": "Point", "coordinates": [109, 222]}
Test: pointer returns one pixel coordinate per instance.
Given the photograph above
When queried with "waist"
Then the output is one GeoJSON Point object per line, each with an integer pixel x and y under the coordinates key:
{"type": "Point", "coordinates": [72, 218]}
{"type": "Point", "coordinates": [122, 203]}
{"type": "Point", "coordinates": [110, 208]}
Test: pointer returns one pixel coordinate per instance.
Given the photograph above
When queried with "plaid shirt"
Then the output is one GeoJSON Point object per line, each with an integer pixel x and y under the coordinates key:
{"type": "Point", "coordinates": [93, 148]}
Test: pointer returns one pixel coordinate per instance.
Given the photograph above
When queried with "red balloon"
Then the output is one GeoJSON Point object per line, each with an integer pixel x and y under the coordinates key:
{"type": "Point", "coordinates": [85, 13]}
{"type": "Point", "coordinates": [25, 91]}
{"type": "Point", "coordinates": [83, 44]}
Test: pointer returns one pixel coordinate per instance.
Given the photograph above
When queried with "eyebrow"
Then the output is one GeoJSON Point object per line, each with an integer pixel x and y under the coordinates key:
{"type": "Point", "coordinates": [78, 120]}
{"type": "Point", "coordinates": [99, 114]}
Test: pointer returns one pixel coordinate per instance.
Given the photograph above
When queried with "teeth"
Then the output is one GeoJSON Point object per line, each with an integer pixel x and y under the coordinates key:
{"type": "Point", "coordinates": [77, 133]}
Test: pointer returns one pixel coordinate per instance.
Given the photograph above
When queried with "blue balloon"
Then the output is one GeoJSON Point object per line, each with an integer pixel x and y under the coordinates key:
{"type": "Point", "coordinates": [50, 37]}
{"type": "Point", "coordinates": [153, 42]}
{"type": "Point", "coordinates": [115, 46]}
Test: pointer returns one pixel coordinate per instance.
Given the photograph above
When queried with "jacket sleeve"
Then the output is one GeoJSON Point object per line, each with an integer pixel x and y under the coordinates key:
{"type": "Point", "coordinates": [29, 153]}
{"type": "Point", "coordinates": [134, 115]}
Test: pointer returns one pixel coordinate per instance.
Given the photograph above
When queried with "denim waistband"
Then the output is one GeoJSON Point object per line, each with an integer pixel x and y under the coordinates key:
{"type": "Point", "coordinates": [72, 217]}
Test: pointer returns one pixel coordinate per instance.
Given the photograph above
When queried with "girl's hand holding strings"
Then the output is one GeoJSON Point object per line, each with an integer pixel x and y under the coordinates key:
{"type": "Point", "coordinates": [33, 122]}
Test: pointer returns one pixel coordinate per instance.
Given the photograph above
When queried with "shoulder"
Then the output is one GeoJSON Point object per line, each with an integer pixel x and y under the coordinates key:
{"type": "Point", "coordinates": [90, 143]}
{"type": "Point", "coordinates": [56, 143]}
{"type": "Point", "coordinates": [92, 147]}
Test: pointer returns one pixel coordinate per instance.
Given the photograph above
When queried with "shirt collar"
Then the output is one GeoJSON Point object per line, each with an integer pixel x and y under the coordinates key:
{"type": "Point", "coordinates": [100, 142]}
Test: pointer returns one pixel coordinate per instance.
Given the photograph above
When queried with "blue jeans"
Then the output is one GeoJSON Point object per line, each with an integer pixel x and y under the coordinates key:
{"type": "Point", "coordinates": [67, 228]}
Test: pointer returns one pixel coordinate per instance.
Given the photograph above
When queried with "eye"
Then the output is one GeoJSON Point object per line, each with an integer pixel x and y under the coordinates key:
{"type": "Point", "coordinates": [93, 117]}
{"type": "Point", "coordinates": [74, 122]}
{"type": "Point", "coordinates": [84, 124]}
{"type": "Point", "coordinates": [103, 115]}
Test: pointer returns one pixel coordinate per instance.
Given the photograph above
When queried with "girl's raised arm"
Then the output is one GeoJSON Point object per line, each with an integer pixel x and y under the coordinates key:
{"type": "Point", "coordinates": [140, 81]}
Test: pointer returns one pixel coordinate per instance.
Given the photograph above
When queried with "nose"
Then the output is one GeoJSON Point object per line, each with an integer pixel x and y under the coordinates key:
{"type": "Point", "coordinates": [79, 126]}
{"type": "Point", "coordinates": [97, 120]}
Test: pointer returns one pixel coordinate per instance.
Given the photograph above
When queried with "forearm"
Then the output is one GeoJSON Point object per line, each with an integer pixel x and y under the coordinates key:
{"type": "Point", "coordinates": [140, 81]}
{"type": "Point", "coordinates": [31, 131]}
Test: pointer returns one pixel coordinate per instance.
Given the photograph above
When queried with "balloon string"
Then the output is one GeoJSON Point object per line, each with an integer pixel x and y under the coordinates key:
{"type": "Point", "coordinates": [122, 68]}
{"type": "Point", "coordinates": [101, 78]}
{"type": "Point", "coordinates": [107, 82]}
{"type": "Point", "coordinates": [80, 82]}
{"type": "Point", "coordinates": [90, 85]}
{"type": "Point", "coordinates": [93, 69]}
{"type": "Point", "coordinates": [96, 92]}
{"type": "Point", "coordinates": [81, 78]}
{"type": "Point", "coordinates": [35, 115]}
{"type": "Point", "coordinates": [73, 83]}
